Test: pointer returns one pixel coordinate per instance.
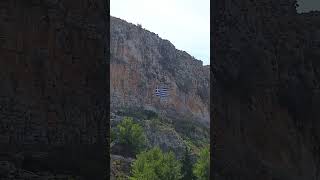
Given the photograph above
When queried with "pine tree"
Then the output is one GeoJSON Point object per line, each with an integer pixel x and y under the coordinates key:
{"type": "Point", "coordinates": [202, 167]}
{"type": "Point", "coordinates": [131, 136]}
{"type": "Point", "coordinates": [187, 166]}
{"type": "Point", "coordinates": [156, 165]}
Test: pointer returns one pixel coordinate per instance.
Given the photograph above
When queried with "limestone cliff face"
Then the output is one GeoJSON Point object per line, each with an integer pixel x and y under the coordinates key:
{"type": "Point", "coordinates": [141, 61]}
{"type": "Point", "coordinates": [52, 66]}
{"type": "Point", "coordinates": [53, 79]}
{"type": "Point", "coordinates": [266, 91]}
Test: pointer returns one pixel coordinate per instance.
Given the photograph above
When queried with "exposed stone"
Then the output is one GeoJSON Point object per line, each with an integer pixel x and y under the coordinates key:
{"type": "Point", "coordinates": [53, 78]}
{"type": "Point", "coordinates": [164, 137]}
{"type": "Point", "coordinates": [120, 167]}
{"type": "Point", "coordinates": [141, 61]}
{"type": "Point", "coordinates": [266, 84]}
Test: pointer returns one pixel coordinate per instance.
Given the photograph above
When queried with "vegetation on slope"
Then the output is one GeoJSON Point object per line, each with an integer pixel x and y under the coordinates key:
{"type": "Point", "coordinates": [202, 167]}
{"type": "Point", "coordinates": [130, 135]}
{"type": "Point", "coordinates": [156, 165]}
{"type": "Point", "coordinates": [157, 141]}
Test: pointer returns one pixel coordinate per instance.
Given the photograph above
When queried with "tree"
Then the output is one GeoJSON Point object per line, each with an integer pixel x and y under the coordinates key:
{"type": "Point", "coordinates": [202, 167]}
{"type": "Point", "coordinates": [131, 135]}
{"type": "Point", "coordinates": [156, 165]}
{"type": "Point", "coordinates": [187, 166]}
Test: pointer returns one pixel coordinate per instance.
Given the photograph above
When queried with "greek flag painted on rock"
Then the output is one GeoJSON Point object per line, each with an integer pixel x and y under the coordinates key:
{"type": "Point", "coordinates": [162, 92]}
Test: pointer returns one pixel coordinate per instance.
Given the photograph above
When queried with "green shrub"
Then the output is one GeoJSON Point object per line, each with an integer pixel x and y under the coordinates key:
{"type": "Point", "coordinates": [187, 166]}
{"type": "Point", "coordinates": [202, 167]}
{"type": "Point", "coordinates": [156, 165]}
{"type": "Point", "coordinates": [131, 135]}
{"type": "Point", "coordinates": [150, 114]}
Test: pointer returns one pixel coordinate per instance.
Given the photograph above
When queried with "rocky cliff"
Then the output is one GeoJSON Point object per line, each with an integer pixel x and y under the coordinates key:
{"type": "Point", "coordinates": [141, 61]}
{"type": "Point", "coordinates": [53, 79]}
{"type": "Point", "coordinates": [266, 91]}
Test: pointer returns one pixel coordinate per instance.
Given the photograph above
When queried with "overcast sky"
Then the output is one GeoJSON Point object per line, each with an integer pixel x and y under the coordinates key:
{"type": "Point", "coordinates": [185, 23]}
{"type": "Point", "coordinates": [308, 5]}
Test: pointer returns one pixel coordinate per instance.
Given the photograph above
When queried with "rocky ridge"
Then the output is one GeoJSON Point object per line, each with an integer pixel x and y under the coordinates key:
{"type": "Point", "coordinates": [141, 61]}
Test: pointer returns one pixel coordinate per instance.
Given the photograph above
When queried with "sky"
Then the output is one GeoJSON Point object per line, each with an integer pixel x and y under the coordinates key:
{"type": "Point", "coordinates": [308, 5]}
{"type": "Point", "coordinates": [185, 23]}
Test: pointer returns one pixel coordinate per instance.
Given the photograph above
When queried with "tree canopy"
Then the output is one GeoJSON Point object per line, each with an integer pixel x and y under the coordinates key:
{"type": "Point", "coordinates": [131, 135]}
{"type": "Point", "coordinates": [202, 167]}
{"type": "Point", "coordinates": [156, 165]}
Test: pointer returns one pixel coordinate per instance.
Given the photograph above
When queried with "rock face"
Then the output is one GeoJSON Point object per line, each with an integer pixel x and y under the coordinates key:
{"type": "Point", "coordinates": [266, 91]}
{"type": "Point", "coordinates": [165, 137]}
{"type": "Point", "coordinates": [120, 167]}
{"type": "Point", "coordinates": [53, 75]}
{"type": "Point", "coordinates": [141, 61]}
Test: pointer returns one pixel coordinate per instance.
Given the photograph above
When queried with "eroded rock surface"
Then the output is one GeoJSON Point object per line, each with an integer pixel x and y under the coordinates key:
{"type": "Point", "coordinates": [120, 167]}
{"type": "Point", "coordinates": [53, 76]}
{"type": "Point", "coordinates": [266, 91]}
{"type": "Point", "coordinates": [141, 61]}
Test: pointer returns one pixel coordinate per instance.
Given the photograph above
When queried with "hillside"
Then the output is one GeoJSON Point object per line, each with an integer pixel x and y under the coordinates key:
{"type": "Point", "coordinates": [140, 62]}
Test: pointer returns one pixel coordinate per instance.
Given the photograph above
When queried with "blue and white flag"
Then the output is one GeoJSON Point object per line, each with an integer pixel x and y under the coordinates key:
{"type": "Point", "coordinates": [162, 92]}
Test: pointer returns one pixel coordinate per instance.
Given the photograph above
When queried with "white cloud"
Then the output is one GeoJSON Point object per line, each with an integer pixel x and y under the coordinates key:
{"type": "Point", "coordinates": [186, 23]}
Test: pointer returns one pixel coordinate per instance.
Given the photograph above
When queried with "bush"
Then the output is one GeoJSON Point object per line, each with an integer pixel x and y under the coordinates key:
{"type": "Point", "coordinates": [150, 114]}
{"type": "Point", "coordinates": [187, 166]}
{"type": "Point", "coordinates": [156, 165]}
{"type": "Point", "coordinates": [202, 167]}
{"type": "Point", "coordinates": [131, 135]}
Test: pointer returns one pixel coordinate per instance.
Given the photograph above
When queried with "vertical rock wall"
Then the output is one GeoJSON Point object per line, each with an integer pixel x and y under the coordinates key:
{"type": "Point", "coordinates": [141, 61]}
{"type": "Point", "coordinates": [266, 91]}
{"type": "Point", "coordinates": [53, 73]}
